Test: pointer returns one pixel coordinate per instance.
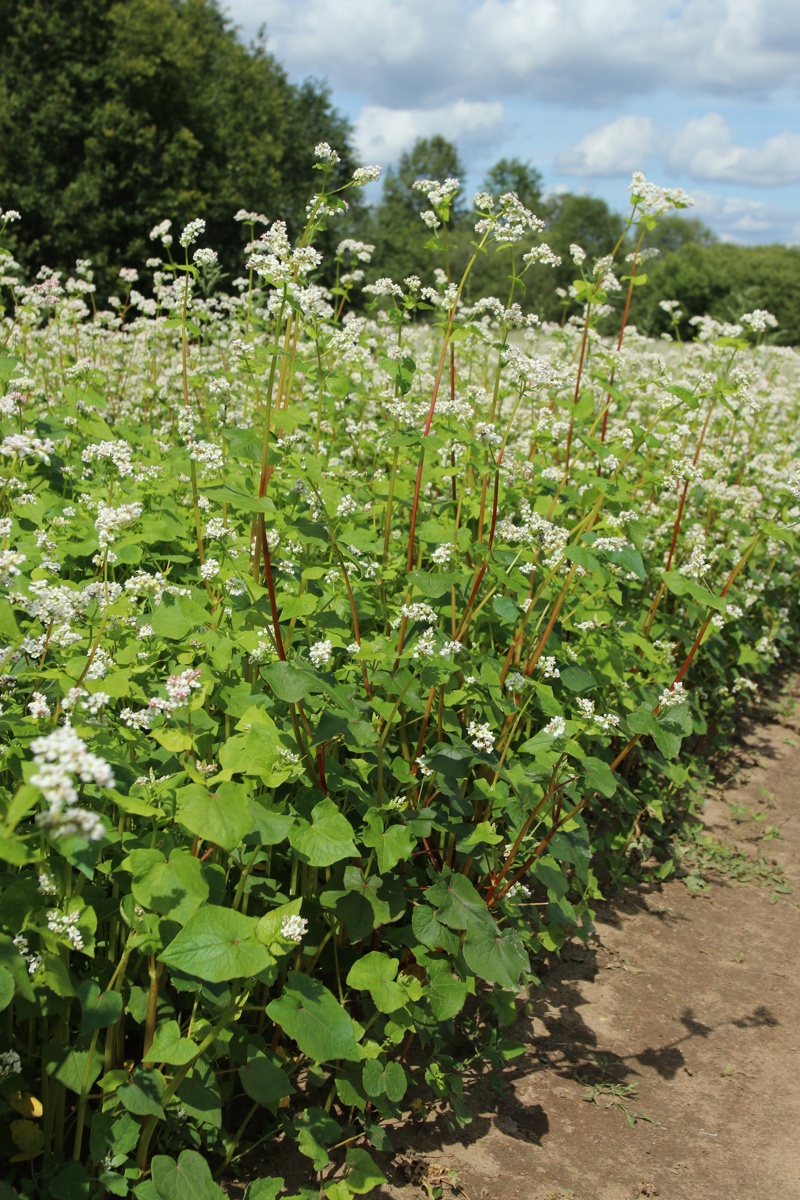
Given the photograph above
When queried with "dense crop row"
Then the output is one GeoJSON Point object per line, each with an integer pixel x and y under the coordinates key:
{"type": "Point", "coordinates": [342, 656]}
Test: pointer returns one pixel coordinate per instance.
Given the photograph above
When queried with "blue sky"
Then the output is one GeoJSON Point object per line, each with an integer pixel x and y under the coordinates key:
{"type": "Point", "coordinates": [701, 94]}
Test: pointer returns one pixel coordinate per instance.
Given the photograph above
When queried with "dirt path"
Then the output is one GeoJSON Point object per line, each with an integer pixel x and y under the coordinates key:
{"type": "Point", "coordinates": [691, 1000]}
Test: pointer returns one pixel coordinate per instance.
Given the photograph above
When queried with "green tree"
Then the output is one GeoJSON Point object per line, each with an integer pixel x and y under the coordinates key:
{"type": "Point", "coordinates": [513, 175]}
{"type": "Point", "coordinates": [115, 114]}
{"type": "Point", "coordinates": [395, 226]}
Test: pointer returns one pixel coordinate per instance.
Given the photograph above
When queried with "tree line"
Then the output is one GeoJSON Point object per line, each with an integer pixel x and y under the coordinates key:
{"type": "Point", "coordinates": [115, 114]}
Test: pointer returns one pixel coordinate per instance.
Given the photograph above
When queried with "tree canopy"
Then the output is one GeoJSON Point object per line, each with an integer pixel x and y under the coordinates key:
{"type": "Point", "coordinates": [115, 114]}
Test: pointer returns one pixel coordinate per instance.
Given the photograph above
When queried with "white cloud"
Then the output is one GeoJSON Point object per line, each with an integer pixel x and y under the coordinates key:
{"type": "Point", "coordinates": [736, 219]}
{"type": "Point", "coordinates": [704, 149]}
{"type": "Point", "coordinates": [619, 148]}
{"type": "Point", "coordinates": [575, 52]}
{"type": "Point", "coordinates": [381, 134]}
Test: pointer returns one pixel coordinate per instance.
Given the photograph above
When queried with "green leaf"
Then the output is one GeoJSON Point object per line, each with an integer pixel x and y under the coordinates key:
{"type": "Point", "coordinates": [6, 988]}
{"type": "Point", "coordinates": [217, 944]}
{"type": "Point", "coordinates": [311, 1015]}
{"type": "Point", "coordinates": [176, 621]}
{"type": "Point", "coordinates": [391, 844]}
{"type": "Point", "coordinates": [679, 585]}
{"type": "Point", "coordinates": [187, 1179]}
{"type": "Point", "coordinates": [99, 1008]}
{"type": "Point", "coordinates": [244, 501]}
{"type": "Point", "coordinates": [173, 887]}
{"type": "Point", "coordinates": [72, 1064]}
{"type": "Point", "coordinates": [363, 1175]}
{"type": "Point", "coordinates": [497, 957]}
{"type": "Point", "coordinates": [288, 682]}
{"type": "Point", "coordinates": [169, 1047]}
{"type": "Point", "coordinates": [433, 584]}
{"type": "Point", "coordinates": [255, 752]}
{"type": "Point", "coordinates": [316, 1130]}
{"type": "Point", "coordinates": [264, 1080]}
{"type": "Point", "coordinates": [384, 1079]}
{"type": "Point", "coordinates": [458, 904]}
{"type": "Point", "coordinates": [599, 776]}
{"type": "Point", "coordinates": [263, 1189]}
{"type": "Point", "coordinates": [431, 932]}
{"type": "Point", "coordinates": [325, 839]}
{"type": "Point", "coordinates": [445, 993]}
{"type": "Point", "coordinates": [220, 816]}
{"type": "Point", "coordinates": [143, 1092]}
{"type": "Point", "coordinates": [375, 973]}
{"type": "Point", "coordinates": [577, 679]}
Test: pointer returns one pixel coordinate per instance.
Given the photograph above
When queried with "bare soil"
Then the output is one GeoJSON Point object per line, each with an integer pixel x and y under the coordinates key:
{"type": "Point", "coordinates": [664, 1058]}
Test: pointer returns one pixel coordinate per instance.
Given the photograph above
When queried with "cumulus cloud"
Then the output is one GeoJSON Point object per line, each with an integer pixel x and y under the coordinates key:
{"type": "Point", "coordinates": [737, 219]}
{"type": "Point", "coordinates": [704, 149]}
{"type": "Point", "coordinates": [576, 52]}
{"type": "Point", "coordinates": [381, 134]}
{"type": "Point", "coordinates": [618, 148]}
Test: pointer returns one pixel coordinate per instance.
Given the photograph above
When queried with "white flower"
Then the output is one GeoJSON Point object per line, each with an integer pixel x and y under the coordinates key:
{"type": "Point", "coordinates": [192, 231]}
{"type": "Point", "coordinates": [481, 736]}
{"type": "Point", "coordinates": [364, 175]}
{"type": "Point", "coordinates": [321, 653]}
{"type": "Point", "coordinates": [10, 1063]}
{"type": "Point", "coordinates": [555, 728]}
{"type": "Point", "coordinates": [38, 707]}
{"type": "Point", "coordinates": [294, 928]}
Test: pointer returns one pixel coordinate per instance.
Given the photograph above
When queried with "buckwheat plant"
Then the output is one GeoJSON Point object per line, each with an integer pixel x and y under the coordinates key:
{"type": "Point", "coordinates": [349, 637]}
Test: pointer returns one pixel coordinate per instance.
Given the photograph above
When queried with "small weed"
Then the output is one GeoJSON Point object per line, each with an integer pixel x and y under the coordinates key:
{"type": "Point", "coordinates": [607, 1092]}
{"type": "Point", "coordinates": [767, 797]}
{"type": "Point", "coordinates": [742, 814]}
{"type": "Point", "coordinates": [700, 853]}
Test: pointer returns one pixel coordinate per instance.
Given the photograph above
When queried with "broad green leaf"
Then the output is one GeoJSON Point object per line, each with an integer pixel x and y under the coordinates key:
{"type": "Point", "coordinates": [325, 839]}
{"type": "Point", "coordinates": [6, 988]}
{"type": "Point", "coordinates": [384, 1079]}
{"type": "Point", "coordinates": [431, 932]}
{"type": "Point", "coordinates": [391, 844]}
{"type": "Point", "coordinates": [577, 679]}
{"type": "Point", "coordinates": [316, 1130]}
{"type": "Point", "coordinates": [310, 1015]}
{"type": "Point", "coordinates": [445, 993]}
{"type": "Point", "coordinates": [143, 1092]}
{"type": "Point", "coordinates": [679, 585]}
{"type": "Point", "coordinates": [219, 815]}
{"type": "Point", "coordinates": [217, 944]}
{"type": "Point", "coordinates": [497, 957]}
{"type": "Point", "coordinates": [237, 498]}
{"type": "Point", "coordinates": [599, 776]}
{"type": "Point", "coordinates": [173, 887]}
{"type": "Point", "coordinates": [254, 752]}
{"type": "Point", "coordinates": [99, 1008]}
{"type": "Point", "coordinates": [288, 682]}
{"type": "Point", "coordinates": [72, 1064]}
{"type": "Point", "coordinates": [458, 904]}
{"type": "Point", "coordinates": [264, 1079]}
{"type": "Point", "coordinates": [364, 1175]}
{"type": "Point", "coordinates": [176, 621]}
{"type": "Point", "coordinates": [375, 973]}
{"type": "Point", "coordinates": [187, 1179]}
{"type": "Point", "coordinates": [169, 1047]}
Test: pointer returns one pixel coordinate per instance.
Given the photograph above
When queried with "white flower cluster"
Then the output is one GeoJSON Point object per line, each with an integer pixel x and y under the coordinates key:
{"type": "Point", "coordinates": [321, 653]}
{"type": "Point", "coordinates": [604, 721]}
{"type": "Point", "coordinates": [294, 928]}
{"type": "Point", "coordinates": [179, 689]}
{"type": "Point", "coordinates": [65, 925]}
{"type": "Point", "coordinates": [511, 222]}
{"type": "Point", "coordinates": [10, 1063]}
{"type": "Point", "coordinates": [32, 961]}
{"type": "Point", "coordinates": [119, 453]}
{"type": "Point", "coordinates": [672, 696]}
{"type": "Point", "coordinates": [60, 756]}
{"type": "Point", "coordinates": [655, 200]}
{"type": "Point", "coordinates": [26, 445]}
{"type": "Point", "coordinates": [111, 521]}
{"type": "Point", "coordinates": [481, 736]}
{"type": "Point", "coordinates": [191, 232]}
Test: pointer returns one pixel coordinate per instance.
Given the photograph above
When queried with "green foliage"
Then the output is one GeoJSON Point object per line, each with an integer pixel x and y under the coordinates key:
{"type": "Point", "coordinates": [117, 114]}
{"type": "Point", "coordinates": [723, 281]}
{"type": "Point", "coordinates": [341, 666]}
